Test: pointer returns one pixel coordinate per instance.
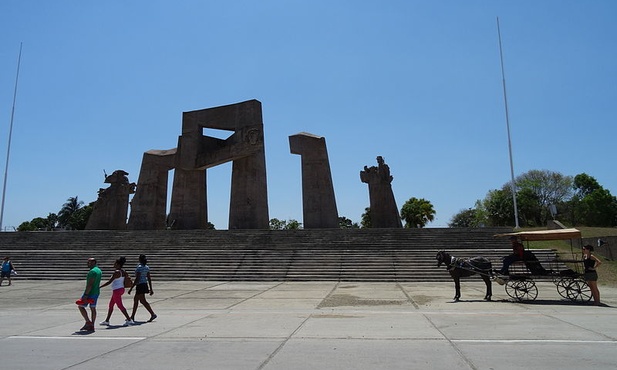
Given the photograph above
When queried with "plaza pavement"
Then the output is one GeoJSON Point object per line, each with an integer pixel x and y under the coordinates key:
{"type": "Point", "coordinates": [308, 325]}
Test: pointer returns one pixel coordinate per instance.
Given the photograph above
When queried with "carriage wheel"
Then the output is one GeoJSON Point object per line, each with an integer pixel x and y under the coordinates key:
{"type": "Point", "coordinates": [579, 291]}
{"type": "Point", "coordinates": [522, 290]}
{"type": "Point", "coordinates": [527, 291]}
{"type": "Point", "coordinates": [511, 287]}
{"type": "Point", "coordinates": [563, 287]}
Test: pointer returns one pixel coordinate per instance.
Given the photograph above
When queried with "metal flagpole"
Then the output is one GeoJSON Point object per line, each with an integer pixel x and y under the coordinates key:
{"type": "Point", "coordinates": [505, 99]}
{"type": "Point", "coordinates": [8, 150]}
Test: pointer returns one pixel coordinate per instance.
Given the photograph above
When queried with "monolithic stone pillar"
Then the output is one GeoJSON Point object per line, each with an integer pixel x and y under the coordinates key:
{"type": "Point", "coordinates": [149, 205]}
{"type": "Point", "coordinates": [248, 207]}
{"type": "Point", "coordinates": [188, 200]}
{"type": "Point", "coordinates": [384, 213]}
{"type": "Point", "coordinates": [318, 201]}
{"type": "Point", "coordinates": [111, 207]}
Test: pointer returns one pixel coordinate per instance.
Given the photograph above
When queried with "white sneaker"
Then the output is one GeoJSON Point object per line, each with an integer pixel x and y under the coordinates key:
{"type": "Point", "coordinates": [129, 322]}
{"type": "Point", "coordinates": [104, 323]}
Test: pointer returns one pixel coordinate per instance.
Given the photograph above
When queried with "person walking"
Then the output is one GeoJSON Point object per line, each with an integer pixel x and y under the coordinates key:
{"type": "Point", "coordinates": [117, 287]}
{"type": "Point", "coordinates": [7, 270]}
{"type": "Point", "coordinates": [591, 262]}
{"type": "Point", "coordinates": [90, 295]}
{"type": "Point", "coordinates": [143, 282]}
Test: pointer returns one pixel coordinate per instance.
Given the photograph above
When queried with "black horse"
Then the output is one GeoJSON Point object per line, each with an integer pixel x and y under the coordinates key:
{"type": "Point", "coordinates": [463, 267]}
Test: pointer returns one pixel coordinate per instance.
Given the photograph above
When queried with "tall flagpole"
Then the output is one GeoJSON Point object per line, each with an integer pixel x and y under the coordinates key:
{"type": "Point", "coordinates": [505, 100]}
{"type": "Point", "coordinates": [8, 150]}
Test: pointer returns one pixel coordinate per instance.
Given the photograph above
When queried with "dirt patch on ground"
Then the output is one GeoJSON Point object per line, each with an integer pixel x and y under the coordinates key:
{"type": "Point", "coordinates": [422, 299]}
{"type": "Point", "coordinates": [338, 300]}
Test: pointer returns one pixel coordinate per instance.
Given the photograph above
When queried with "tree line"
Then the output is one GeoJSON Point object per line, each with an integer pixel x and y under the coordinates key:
{"type": "Point", "coordinates": [542, 195]}
{"type": "Point", "coordinates": [576, 201]}
{"type": "Point", "coordinates": [74, 216]}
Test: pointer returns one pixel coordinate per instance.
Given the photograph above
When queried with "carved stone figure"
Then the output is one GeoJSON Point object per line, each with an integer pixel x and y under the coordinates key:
{"type": "Point", "coordinates": [318, 201]}
{"type": "Point", "coordinates": [384, 212]}
{"type": "Point", "coordinates": [111, 207]}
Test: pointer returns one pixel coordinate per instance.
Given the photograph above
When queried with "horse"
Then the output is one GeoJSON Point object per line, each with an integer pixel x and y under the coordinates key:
{"type": "Point", "coordinates": [464, 267]}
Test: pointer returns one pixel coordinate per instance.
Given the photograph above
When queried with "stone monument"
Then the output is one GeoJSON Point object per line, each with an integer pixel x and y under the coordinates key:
{"type": "Point", "coordinates": [111, 207]}
{"type": "Point", "coordinates": [196, 153]}
{"type": "Point", "coordinates": [384, 213]}
{"type": "Point", "coordinates": [318, 202]}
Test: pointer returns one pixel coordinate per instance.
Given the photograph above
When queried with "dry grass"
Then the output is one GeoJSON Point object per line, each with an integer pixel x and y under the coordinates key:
{"type": "Point", "coordinates": [607, 273]}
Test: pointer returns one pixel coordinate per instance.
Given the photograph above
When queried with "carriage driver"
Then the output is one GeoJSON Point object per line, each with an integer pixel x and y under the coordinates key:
{"type": "Point", "coordinates": [520, 254]}
{"type": "Point", "coordinates": [518, 251]}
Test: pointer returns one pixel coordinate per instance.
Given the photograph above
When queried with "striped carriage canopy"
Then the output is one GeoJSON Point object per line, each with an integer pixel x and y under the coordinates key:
{"type": "Point", "coordinates": [558, 234]}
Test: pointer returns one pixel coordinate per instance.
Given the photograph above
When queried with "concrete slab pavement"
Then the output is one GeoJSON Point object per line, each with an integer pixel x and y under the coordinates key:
{"type": "Point", "coordinates": [308, 325]}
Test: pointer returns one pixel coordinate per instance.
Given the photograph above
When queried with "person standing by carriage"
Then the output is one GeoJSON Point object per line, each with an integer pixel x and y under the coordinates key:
{"type": "Point", "coordinates": [591, 262]}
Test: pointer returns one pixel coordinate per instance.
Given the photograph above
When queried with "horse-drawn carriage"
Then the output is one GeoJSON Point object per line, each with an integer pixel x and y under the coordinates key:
{"type": "Point", "coordinates": [565, 273]}
{"type": "Point", "coordinates": [521, 276]}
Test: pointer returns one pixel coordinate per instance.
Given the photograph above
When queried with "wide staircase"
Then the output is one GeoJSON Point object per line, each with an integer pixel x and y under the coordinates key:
{"type": "Point", "coordinates": [255, 255]}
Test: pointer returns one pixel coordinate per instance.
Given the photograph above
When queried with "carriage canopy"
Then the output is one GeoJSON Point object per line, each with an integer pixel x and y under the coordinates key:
{"type": "Point", "coordinates": [558, 234]}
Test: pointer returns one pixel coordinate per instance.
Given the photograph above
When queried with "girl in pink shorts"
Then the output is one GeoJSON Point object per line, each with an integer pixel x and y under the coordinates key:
{"type": "Point", "coordinates": [117, 286]}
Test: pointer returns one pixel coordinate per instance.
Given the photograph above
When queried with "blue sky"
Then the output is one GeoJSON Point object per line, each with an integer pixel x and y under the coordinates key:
{"type": "Point", "coordinates": [417, 82]}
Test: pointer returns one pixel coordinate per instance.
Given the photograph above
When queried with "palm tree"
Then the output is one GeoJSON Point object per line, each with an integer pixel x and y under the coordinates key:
{"type": "Point", "coordinates": [68, 209]}
{"type": "Point", "coordinates": [417, 212]}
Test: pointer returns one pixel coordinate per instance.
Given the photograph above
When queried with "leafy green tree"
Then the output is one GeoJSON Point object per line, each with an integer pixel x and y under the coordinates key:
{"type": "Point", "coordinates": [537, 190]}
{"type": "Point", "coordinates": [276, 224]}
{"type": "Point", "coordinates": [465, 218]}
{"type": "Point", "coordinates": [39, 223]}
{"type": "Point", "coordinates": [498, 208]}
{"type": "Point", "coordinates": [592, 205]}
{"type": "Point", "coordinates": [345, 223]}
{"type": "Point", "coordinates": [52, 221]}
{"type": "Point", "coordinates": [600, 208]}
{"type": "Point", "coordinates": [530, 210]}
{"type": "Point", "coordinates": [584, 184]}
{"type": "Point", "coordinates": [366, 219]}
{"type": "Point", "coordinates": [79, 218]}
{"type": "Point", "coordinates": [417, 212]}
{"type": "Point", "coordinates": [293, 225]}
{"type": "Point", "coordinates": [26, 226]}
{"type": "Point", "coordinates": [580, 201]}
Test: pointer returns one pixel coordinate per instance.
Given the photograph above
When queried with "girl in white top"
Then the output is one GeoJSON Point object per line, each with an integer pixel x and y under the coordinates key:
{"type": "Point", "coordinates": [117, 286]}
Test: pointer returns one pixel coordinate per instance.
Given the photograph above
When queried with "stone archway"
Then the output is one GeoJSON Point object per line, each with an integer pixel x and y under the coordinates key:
{"type": "Point", "coordinates": [191, 159]}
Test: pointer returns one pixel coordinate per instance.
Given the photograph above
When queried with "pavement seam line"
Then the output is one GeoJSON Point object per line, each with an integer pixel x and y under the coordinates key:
{"type": "Point", "coordinates": [456, 348]}
{"type": "Point", "coordinates": [398, 284]}
{"type": "Point", "coordinates": [582, 328]}
{"type": "Point", "coordinates": [254, 295]}
{"type": "Point", "coordinates": [280, 347]}
{"type": "Point", "coordinates": [334, 288]}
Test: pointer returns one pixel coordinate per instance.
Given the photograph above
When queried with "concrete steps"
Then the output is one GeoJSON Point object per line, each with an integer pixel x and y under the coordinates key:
{"type": "Point", "coordinates": [254, 255]}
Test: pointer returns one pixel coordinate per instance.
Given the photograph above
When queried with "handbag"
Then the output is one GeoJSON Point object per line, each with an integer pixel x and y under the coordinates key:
{"type": "Point", "coordinates": [128, 283]}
